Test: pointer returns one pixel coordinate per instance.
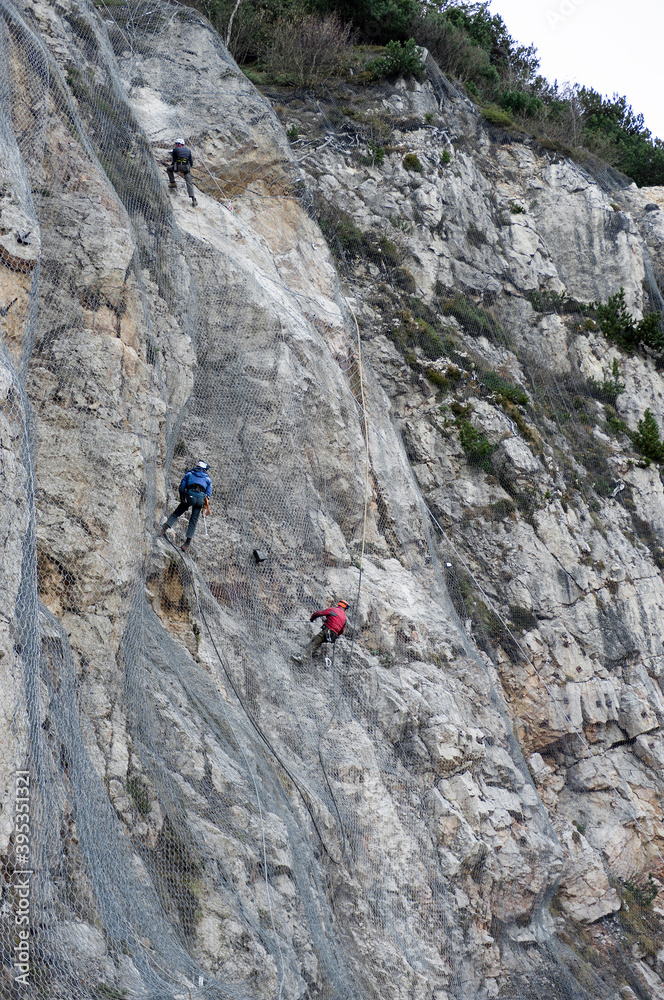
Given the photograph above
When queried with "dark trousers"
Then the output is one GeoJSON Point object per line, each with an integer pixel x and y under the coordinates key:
{"type": "Point", "coordinates": [325, 635]}
{"type": "Point", "coordinates": [181, 170]}
{"type": "Point", "coordinates": [193, 517]}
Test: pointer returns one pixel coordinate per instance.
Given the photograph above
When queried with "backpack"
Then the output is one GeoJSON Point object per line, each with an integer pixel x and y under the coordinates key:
{"type": "Point", "coordinates": [195, 497]}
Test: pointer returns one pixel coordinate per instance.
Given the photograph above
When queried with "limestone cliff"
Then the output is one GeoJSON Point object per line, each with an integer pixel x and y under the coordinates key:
{"type": "Point", "coordinates": [400, 406]}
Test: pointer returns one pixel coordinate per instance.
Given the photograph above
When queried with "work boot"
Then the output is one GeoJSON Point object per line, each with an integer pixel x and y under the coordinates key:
{"type": "Point", "coordinates": [186, 544]}
{"type": "Point", "coordinates": [162, 531]}
{"type": "Point", "coordinates": [193, 203]}
{"type": "Point", "coordinates": [301, 664]}
{"type": "Point", "coordinates": [172, 185]}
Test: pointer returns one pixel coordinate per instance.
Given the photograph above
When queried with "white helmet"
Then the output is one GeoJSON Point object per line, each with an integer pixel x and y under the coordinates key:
{"type": "Point", "coordinates": [202, 465]}
{"type": "Point", "coordinates": [179, 142]}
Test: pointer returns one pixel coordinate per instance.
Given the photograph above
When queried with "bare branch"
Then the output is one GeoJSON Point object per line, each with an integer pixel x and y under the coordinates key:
{"type": "Point", "coordinates": [230, 23]}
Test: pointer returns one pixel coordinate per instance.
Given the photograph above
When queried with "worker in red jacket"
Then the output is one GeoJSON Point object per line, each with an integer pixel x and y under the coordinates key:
{"type": "Point", "coordinates": [333, 627]}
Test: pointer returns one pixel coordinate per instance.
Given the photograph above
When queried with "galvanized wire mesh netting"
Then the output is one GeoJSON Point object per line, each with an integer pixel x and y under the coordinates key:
{"type": "Point", "coordinates": [187, 809]}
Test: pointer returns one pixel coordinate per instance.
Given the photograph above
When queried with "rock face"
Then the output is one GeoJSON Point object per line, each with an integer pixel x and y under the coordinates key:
{"type": "Point", "coordinates": [464, 799]}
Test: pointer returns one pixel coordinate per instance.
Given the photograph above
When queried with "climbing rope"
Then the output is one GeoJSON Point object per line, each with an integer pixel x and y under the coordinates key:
{"type": "Point", "coordinates": [259, 731]}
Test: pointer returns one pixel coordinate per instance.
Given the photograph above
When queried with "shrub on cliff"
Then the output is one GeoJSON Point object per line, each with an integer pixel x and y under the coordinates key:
{"type": "Point", "coordinates": [617, 324]}
{"type": "Point", "coordinates": [477, 447]}
{"type": "Point", "coordinates": [610, 388]}
{"type": "Point", "coordinates": [503, 389]}
{"type": "Point", "coordinates": [476, 321]}
{"type": "Point", "coordinates": [497, 116]}
{"type": "Point", "coordinates": [412, 163]}
{"type": "Point", "coordinates": [627, 143]}
{"type": "Point", "coordinates": [452, 48]}
{"type": "Point", "coordinates": [379, 21]}
{"type": "Point", "coordinates": [307, 49]}
{"type": "Point", "coordinates": [399, 59]}
{"type": "Point", "coordinates": [346, 240]}
{"type": "Point", "coordinates": [520, 102]}
{"type": "Point", "coordinates": [475, 47]}
{"type": "Point", "coordinates": [646, 438]}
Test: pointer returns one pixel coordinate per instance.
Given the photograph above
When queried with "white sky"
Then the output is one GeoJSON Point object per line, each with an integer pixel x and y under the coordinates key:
{"type": "Point", "coordinates": [614, 46]}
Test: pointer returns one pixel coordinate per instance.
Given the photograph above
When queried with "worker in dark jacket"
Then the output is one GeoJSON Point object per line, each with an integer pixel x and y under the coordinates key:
{"type": "Point", "coordinates": [333, 626]}
{"type": "Point", "coordinates": [195, 492]}
{"type": "Point", "coordinates": [181, 162]}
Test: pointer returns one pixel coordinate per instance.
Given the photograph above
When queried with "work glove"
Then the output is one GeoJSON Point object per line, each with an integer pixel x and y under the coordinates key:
{"type": "Point", "coordinates": [313, 618]}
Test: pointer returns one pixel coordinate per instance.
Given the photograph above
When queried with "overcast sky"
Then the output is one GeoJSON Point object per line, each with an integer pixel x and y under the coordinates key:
{"type": "Point", "coordinates": [614, 46]}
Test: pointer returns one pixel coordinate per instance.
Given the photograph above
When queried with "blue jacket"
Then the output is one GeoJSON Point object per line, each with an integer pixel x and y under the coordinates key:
{"type": "Point", "coordinates": [196, 477]}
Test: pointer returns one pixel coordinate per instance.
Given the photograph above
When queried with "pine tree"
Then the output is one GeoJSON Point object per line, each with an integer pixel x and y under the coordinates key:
{"type": "Point", "coordinates": [646, 438]}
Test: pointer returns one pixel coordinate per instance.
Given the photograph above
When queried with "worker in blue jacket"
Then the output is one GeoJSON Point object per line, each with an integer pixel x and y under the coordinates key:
{"type": "Point", "coordinates": [195, 492]}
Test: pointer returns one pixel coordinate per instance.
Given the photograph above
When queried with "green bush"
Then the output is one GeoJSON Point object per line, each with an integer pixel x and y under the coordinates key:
{"type": "Point", "coordinates": [483, 29]}
{"type": "Point", "coordinates": [438, 379]}
{"type": "Point", "coordinates": [497, 116]}
{"type": "Point", "coordinates": [375, 156]}
{"type": "Point", "coordinates": [505, 390]}
{"type": "Point", "coordinates": [489, 73]}
{"type": "Point", "coordinates": [475, 320]}
{"type": "Point", "coordinates": [245, 30]}
{"type": "Point", "coordinates": [346, 239]}
{"type": "Point", "coordinates": [476, 446]}
{"type": "Point", "coordinates": [379, 21]}
{"type": "Point", "coordinates": [412, 162]}
{"type": "Point", "coordinates": [343, 236]}
{"type": "Point", "coordinates": [614, 423]}
{"type": "Point", "coordinates": [400, 59]}
{"type": "Point", "coordinates": [519, 102]}
{"type": "Point", "coordinates": [608, 390]}
{"type": "Point", "coordinates": [139, 794]}
{"type": "Point", "coordinates": [617, 324]}
{"type": "Point", "coordinates": [413, 333]}
{"type": "Point", "coordinates": [643, 895]}
{"type": "Point", "coordinates": [646, 438]}
{"type": "Point", "coordinates": [432, 344]}
{"type": "Point", "coordinates": [413, 325]}
{"type": "Point", "coordinates": [452, 48]}
{"type": "Point", "coordinates": [622, 134]}
{"type": "Point", "coordinates": [557, 302]}
{"type": "Point", "coordinates": [389, 252]}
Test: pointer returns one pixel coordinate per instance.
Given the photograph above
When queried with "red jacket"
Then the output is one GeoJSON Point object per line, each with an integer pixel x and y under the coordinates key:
{"type": "Point", "coordinates": [335, 619]}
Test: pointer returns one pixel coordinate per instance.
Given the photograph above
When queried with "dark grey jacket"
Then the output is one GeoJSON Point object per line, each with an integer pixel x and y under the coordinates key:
{"type": "Point", "coordinates": [181, 157]}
